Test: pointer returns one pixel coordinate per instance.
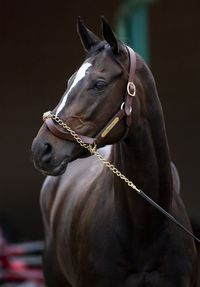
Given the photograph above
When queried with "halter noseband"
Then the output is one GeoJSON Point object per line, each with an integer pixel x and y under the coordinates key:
{"type": "Point", "coordinates": [125, 111]}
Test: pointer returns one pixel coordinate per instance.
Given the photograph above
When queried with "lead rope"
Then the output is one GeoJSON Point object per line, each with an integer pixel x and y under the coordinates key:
{"type": "Point", "coordinates": [93, 151]}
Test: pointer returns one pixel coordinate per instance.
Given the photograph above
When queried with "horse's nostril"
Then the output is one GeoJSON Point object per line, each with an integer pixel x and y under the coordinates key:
{"type": "Point", "coordinates": [48, 148]}
{"type": "Point", "coordinates": [47, 152]}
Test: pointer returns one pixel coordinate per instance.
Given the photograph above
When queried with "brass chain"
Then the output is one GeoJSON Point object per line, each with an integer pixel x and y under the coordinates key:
{"type": "Point", "coordinates": [92, 149]}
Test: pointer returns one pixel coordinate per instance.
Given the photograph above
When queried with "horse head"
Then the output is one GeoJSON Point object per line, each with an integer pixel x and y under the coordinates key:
{"type": "Point", "coordinates": [96, 103]}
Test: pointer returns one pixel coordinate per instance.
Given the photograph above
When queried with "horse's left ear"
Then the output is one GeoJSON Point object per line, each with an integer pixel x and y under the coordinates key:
{"type": "Point", "coordinates": [109, 35]}
{"type": "Point", "coordinates": [88, 38]}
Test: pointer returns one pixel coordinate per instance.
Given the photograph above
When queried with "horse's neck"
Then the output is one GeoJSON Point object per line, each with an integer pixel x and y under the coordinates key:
{"type": "Point", "coordinates": [144, 158]}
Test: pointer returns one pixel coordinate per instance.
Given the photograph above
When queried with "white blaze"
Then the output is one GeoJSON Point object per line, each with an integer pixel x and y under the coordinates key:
{"type": "Point", "coordinates": [79, 76]}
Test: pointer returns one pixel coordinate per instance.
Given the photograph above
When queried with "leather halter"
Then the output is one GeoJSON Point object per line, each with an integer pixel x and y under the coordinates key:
{"type": "Point", "coordinates": [125, 111]}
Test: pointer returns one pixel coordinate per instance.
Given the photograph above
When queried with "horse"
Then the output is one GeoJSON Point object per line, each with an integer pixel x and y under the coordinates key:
{"type": "Point", "coordinates": [98, 231]}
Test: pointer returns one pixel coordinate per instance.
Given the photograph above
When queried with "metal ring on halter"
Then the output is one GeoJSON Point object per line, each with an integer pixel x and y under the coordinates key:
{"type": "Point", "coordinates": [46, 115]}
{"type": "Point", "coordinates": [131, 86]}
{"type": "Point", "coordinates": [122, 107]}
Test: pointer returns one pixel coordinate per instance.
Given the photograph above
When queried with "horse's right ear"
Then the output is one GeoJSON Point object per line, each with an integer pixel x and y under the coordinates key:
{"type": "Point", "coordinates": [88, 38]}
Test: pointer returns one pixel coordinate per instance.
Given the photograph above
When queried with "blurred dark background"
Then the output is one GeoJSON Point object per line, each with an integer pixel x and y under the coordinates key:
{"type": "Point", "coordinates": [39, 49]}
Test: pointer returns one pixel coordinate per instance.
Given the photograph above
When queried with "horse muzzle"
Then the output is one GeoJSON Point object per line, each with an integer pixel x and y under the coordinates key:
{"type": "Point", "coordinates": [46, 160]}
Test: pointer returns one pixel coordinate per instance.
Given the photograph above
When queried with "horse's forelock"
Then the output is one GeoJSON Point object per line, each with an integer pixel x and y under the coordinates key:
{"type": "Point", "coordinates": [97, 49]}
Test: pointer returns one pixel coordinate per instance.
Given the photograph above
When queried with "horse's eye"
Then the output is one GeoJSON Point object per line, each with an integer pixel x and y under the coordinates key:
{"type": "Point", "coordinates": [99, 85]}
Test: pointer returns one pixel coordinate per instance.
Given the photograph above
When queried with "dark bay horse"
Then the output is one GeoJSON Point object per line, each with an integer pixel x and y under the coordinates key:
{"type": "Point", "coordinates": [99, 232]}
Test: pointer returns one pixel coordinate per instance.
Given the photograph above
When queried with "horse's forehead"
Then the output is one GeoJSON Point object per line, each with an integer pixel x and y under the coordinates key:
{"type": "Point", "coordinates": [101, 59]}
{"type": "Point", "coordinates": [81, 72]}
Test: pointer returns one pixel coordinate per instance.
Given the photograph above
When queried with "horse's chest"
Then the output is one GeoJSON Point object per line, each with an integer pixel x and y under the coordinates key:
{"type": "Point", "coordinates": [83, 231]}
{"type": "Point", "coordinates": [90, 239]}
{"type": "Point", "coordinates": [93, 243]}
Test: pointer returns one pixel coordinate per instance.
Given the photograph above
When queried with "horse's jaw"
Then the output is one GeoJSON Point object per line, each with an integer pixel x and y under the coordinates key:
{"type": "Point", "coordinates": [55, 171]}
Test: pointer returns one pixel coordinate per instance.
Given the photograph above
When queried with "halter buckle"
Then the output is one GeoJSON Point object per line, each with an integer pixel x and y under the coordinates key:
{"type": "Point", "coordinates": [131, 89]}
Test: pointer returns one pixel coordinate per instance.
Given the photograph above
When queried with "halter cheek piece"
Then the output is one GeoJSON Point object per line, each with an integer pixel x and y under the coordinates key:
{"type": "Point", "coordinates": [125, 111]}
